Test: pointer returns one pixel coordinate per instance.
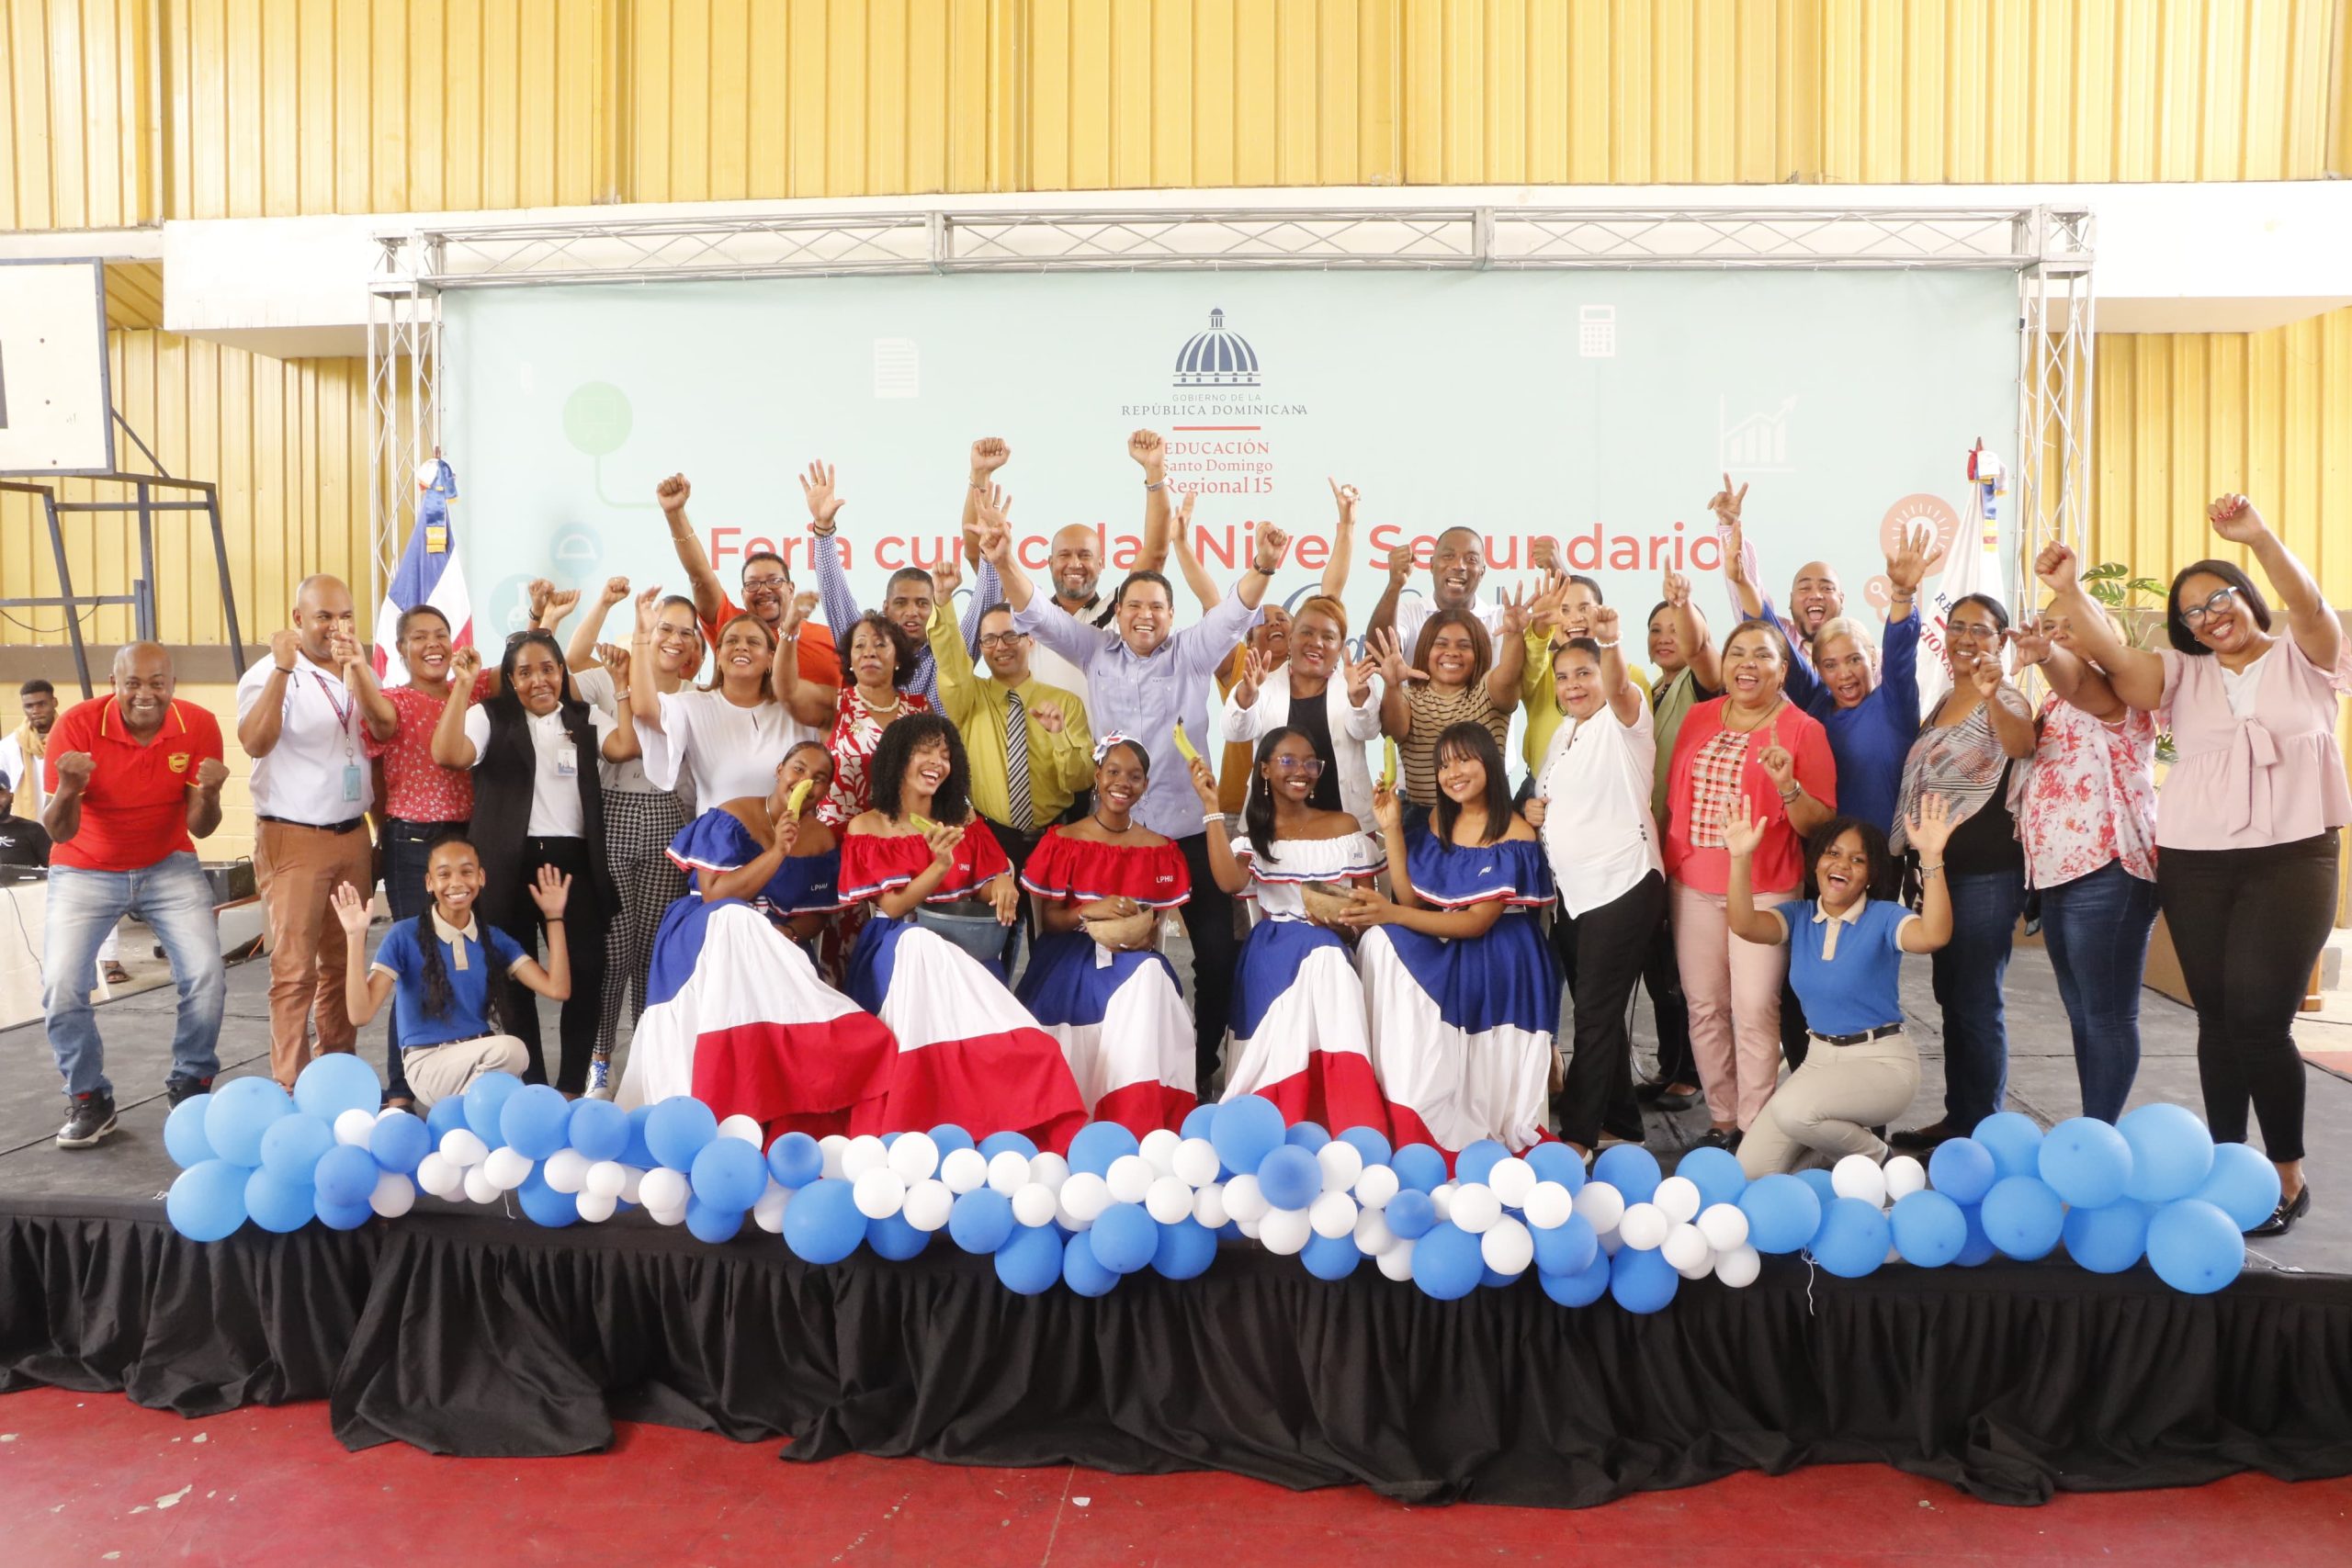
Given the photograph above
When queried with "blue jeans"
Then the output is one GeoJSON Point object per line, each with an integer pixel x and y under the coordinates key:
{"type": "Point", "coordinates": [175, 898]}
{"type": "Point", "coordinates": [1968, 972]}
{"type": "Point", "coordinates": [2096, 930]}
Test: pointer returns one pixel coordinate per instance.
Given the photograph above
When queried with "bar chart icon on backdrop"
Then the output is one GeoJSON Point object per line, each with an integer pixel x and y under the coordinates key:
{"type": "Point", "coordinates": [1758, 443]}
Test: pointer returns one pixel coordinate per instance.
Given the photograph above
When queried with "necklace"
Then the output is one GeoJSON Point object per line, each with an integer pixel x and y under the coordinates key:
{"type": "Point", "coordinates": [1105, 826]}
{"type": "Point", "coordinates": [1749, 726]}
{"type": "Point", "coordinates": [897, 699]}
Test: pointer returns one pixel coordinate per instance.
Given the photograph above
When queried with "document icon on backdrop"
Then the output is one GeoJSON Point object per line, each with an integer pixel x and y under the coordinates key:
{"type": "Point", "coordinates": [897, 367]}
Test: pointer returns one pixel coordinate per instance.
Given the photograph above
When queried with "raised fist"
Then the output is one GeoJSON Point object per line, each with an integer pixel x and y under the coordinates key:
{"type": "Point", "coordinates": [672, 494]}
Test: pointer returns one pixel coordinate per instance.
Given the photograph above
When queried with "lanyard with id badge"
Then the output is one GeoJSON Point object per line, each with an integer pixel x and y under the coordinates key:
{"type": "Point", "coordinates": [352, 775]}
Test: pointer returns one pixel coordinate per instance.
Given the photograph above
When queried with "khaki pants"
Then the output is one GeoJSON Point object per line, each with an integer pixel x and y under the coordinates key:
{"type": "Point", "coordinates": [437, 1072]}
{"type": "Point", "coordinates": [1829, 1105]}
{"type": "Point", "coordinates": [297, 870]}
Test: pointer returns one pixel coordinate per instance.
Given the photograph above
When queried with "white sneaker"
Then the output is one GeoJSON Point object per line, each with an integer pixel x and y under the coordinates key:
{"type": "Point", "coordinates": [600, 1078]}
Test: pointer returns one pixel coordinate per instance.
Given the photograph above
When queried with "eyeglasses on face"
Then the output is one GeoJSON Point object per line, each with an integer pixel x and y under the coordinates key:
{"type": "Point", "coordinates": [769, 581]}
{"type": "Point", "coordinates": [2195, 614]}
{"type": "Point", "coordinates": [999, 640]}
{"type": "Point", "coordinates": [1974, 631]}
{"type": "Point", "coordinates": [1306, 767]}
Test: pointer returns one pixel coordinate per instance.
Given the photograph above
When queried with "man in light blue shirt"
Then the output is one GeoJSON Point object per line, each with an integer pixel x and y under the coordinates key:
{"type": "Point", "coordinates": [1142, 680]}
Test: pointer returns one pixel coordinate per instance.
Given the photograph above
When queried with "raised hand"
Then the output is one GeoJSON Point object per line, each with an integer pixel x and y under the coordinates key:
{"type": "Point", "coordinates": [947, 576]}
{"type": "Point", "coordinates": [1386, 809]}
{"type": "Point", "coordinates": [615, 589]}
{"type": "Point", "coordinates": [561, 602]}
{"type": "Point", "coordinates": [1725, 503]}
{"type": "Point", "coordinates": [671, 494]}
{"type": "Point", "coordinates": [1779, 766]}
{"type": "Point", "coordinates": [465, 663]}
{"type": "Point", "coordinates": [817, 489]}
{"type": "Point", "coordinates": [1400, 565]}
{"type": "Point", "coordinates": [1988, 675]}
{"type": "Point", "coordinates": [943, 837]}
{"type": "Point", "coordinates": [1272, 544]}
{"type": "Point", "coordinates": [1147, 448]}
{"type": "Point", "coordinates": [1387, 648]}
{"type": "Point", "coordinates": [1517, 612]}
{"type": "Point", "coordinates": [1543, 554]}
{"type": "Point", "coordinates": [1203, 782]}
{"type": "Point", "coordinates": [283, 646]}
{"type": "Point", "coordinates": [351, 911]}
{"type": "Point", "coordinates": [2033, 643]}
{"type": "Point", "coordinates": [1675, 589]}
{"type": "Point", "coordinates": [1544, 610]}
{"type": "Point", "coordinates": [346, 650]}
{"type": "Point", "coordinates": [797, 611]}
{"type": "Point", "coordinates": [550, 891]}
{"type": "Point", "coordinates": [615, 657]}
{"type": "Point", "coordinates": [1253, 675]}
{"type": "Point", "coordinates": [648, 609]}
{"type": "Point", "coordinates": [2057, 569]}
{"type": "Point", "coordinates": [1346, 496]}
{"type": "Point", "coordinates": [988, 453]}
{"type": "Point", "coordinates": [74, 770]}
{"type": "Point", "coordinates": [787, 834]}
{"type": "Point", "coordinates": [1742, 830]}
{"type": "Point", "coordinates": [994, 509]}
{"type": "Point", "coordinates": [1603, 625]}
{"type": "Point", "coordinates": [210, 775]}
{"type": "Point", "coordinates": [1911, 561]}
{"type": "Point", "coordinates": [1182, 526]}
{"type": "Point", "coordinates": [1930, 826]}
{"type": "Point", "coordinates": [2234, 518]}
{"type": "Point", "coordinates": [1359, 674]}
{"type": "Point", "coordinates": [538, 590]}
{"type": "Point", "coordinates": [1049, 716]}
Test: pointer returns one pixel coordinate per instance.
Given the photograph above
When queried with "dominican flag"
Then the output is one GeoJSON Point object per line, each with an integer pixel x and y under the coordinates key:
{"type": "Point", "coordinates": [1972, 567]}
{"type": "Point", "coordinates": [428, 573]}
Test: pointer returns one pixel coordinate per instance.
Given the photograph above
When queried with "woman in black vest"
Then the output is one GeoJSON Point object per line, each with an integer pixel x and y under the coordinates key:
{"type": "Point", "coordinates": [532, 750]}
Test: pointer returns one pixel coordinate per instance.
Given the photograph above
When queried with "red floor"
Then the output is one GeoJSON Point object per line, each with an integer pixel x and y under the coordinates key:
{"type": "Point", "coordinates": [89, 1478]}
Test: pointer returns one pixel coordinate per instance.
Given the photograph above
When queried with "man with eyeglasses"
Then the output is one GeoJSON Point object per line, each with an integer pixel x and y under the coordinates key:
{"type": "Point", "coordinates": [767, 589]}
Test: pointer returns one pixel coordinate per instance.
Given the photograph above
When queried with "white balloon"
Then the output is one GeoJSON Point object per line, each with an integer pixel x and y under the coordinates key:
{"type": "Point", "coordinates": [1248, 1227]}
{"type": "Point", "coordinates": [1679, 1199]}
{"type": "Point", "coordinates": [1396, 1263]}
{"type": "Point", "coordinates": [1168, 1200]}
{"type": "Point", "coordinates": [1739, 1266]}
{"type": "Point", "coordinates": [566, 1170]}
{"type": "Point", "coordinates": [1332, 1216]}
{"type": "Point", "coordinates": [745, 1130]}
{"type": "Point", "coordinates": [767, 1213]}
{"type": "Point", "coordinates": [1129, 1177]}
{"type": "Point", "coordinates": [1686, 1248]}
{"type": "Point", "coordinates": [1904, 1176]}
{"type": "Point", "coordinates": [927, 1202]}
{"type": "Point", "coordinates": [1548, 1205]}
{"type": "Point", "coordinates": [1373, 1236]}
{"type": "Point", "coordinates": [598, 1207]}
{"type": "Point", "coordinates": [1341, 1163]}
{"type": "Point", "coordinates": [1049, 1168]}
{"type": "Point", "coordinates": [1284, 1232]}
{"type": "Point", "coordinates": [1611, 1243]}
{"type": "Point", "coordinates": [1725, 1225]}
{"type": "Point", "coordinates": [1512, 1178]}
{"type": "Point", "coordinates": [438, 1175]}
{"type": "Point", "coordinates": [1158, 1148]}
{"type": "Point", "coordinates": [1376, 1186]}
{"type": "Point", "coordinates": [1441, 1198]}
{"type": "Point", "coordinates": [1602, 1205]}
{"type": "Point", "coordinates": [605, 1179]}
{"type": "Point", "coordinates": [963, 1170]}
{"type": "Point", "coordinates": [1244, 1202]}
{"type": "Point", "coordinates": [878, 1193]}
{"type": "Point", "coordinates": [832, 1146]}
{"type": "Point", "coordinates": [1475, 1208]}
{"type": "Point", "coordinates": [463, 1148]}
{"type": "Point", "coordinates": [1082, 1199]}
{"type": "Point", "coordinates": [1644, 1227]}
{"type": "Point", "coordinates": [395, 1195]}
{"type": "Point", "coordinates": [914, 1158]}
{"type": "Point", "coordinates": [507, 1169]}
{"type": "Point", "coordinates": [1196, 1161]}
{"type": "Point", "coordinates": [663, 1187]}
{"type": "Point", "coordinates": [1208, 1206]}
{"type": "Point", "coordinates": [1699, 1270]}
{"type": "Point", "coordinates": [632, 1184]}
{"type": "Point", "coordinates": [477, 1186]}
{"type": "Point", "coordinates": [1859, 1176]}
{"type": "Point", "coordinates": [862, 1153]}
{"type": "Point", "coordinates": [355, 1127]}
{"type": "Point", "coordinates": [1508, 1246]}
{"type": "Point", "coordinates": [1032, 1204]}
{"type": "Point", "coordinates": [676, 1216]}
{"type": "Point", "coordinates": [1008, 1173]}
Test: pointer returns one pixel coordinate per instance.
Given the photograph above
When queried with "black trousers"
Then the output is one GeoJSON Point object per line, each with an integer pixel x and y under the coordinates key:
{"type": "Point", "coordinates": [1208, 922]}
{"type": "Point", "coordinates": [2247, 926]}
{"type": "Point", "coordinates": [1603, 952]}
{"type": "Point", "coordinates": [1662, 978]}
{"type": "Point", "coordinates": [586, 922]}
{"type": "Point", "coordinates": [1018, 847]}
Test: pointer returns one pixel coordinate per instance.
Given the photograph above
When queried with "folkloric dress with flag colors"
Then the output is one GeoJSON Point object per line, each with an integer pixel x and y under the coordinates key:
{"type": "Point", "coordinates": [1298, 1036]}
{"type": "Point", "coordinates": [1462, 1027]}
{"type": "Point", "coordinates": [1120, 1016]}
{"type": "Point", "coordinates": [735, 1013]}
{"type": "Point", "coordinates": [969, 1053]}
{"type": "Point", "coordinates": [428, 573]}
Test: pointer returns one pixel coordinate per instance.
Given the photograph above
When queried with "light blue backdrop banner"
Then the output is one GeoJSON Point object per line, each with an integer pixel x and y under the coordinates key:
{"type": "Point", "coordinates": [1598, 408]}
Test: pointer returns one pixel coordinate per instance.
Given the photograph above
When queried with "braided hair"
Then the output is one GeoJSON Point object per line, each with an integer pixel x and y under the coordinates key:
{"type": "Point", "coordinates": [434, 970]}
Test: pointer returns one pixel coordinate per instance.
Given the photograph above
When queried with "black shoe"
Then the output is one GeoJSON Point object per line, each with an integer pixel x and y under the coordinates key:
{"type": "Point", "coordinates": [1649, 1089]}
{"type": "Point", "coordinates": [1922, 1139]}
{"type": "Point", "coordinates": [1718, 1138]}
{"type": "Point", "coordinates": [1672, 1100]}
{"type": "Point", "coordinates": [178, 1089]}
{"type": "Point", "coordinates": [2282, 1218]}
{"type": "Point", "coordinates": [92, 1119]}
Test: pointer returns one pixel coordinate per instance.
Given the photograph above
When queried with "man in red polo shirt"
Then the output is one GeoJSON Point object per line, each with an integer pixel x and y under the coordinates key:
{"type": "Point", "coordinates": [767, 588]}
{"type": "Point", "coordinates": [133, 779]}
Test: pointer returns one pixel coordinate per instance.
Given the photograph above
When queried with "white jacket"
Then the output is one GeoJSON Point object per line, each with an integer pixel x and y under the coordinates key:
{"type": "Point", "coordinates": [1360, 725]}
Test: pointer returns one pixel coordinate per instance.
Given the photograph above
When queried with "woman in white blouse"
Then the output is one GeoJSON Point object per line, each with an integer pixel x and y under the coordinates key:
{"type": "Point", "coordinates": [1334, 703]}
{"type": "Point", "coordinates": [725, 736]}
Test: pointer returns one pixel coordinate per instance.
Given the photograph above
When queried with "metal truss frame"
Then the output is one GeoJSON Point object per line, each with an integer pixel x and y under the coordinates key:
{"type": "Point", "coordinates": [403, 406]}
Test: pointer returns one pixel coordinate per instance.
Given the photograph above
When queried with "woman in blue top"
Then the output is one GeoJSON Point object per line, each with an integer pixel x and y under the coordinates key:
{"type": "Point", "coordinates": [1846, 950]}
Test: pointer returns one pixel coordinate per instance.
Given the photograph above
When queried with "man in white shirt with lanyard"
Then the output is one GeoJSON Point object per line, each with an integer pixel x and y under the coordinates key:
{"type": "Point", "coordinates": [300, 719]}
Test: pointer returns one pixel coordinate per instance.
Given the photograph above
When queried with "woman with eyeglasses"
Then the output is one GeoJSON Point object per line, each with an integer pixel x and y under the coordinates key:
{"type": "Point", "coordinates": [1096, 980]}
{"type": "Point", "coordinates": [2248, 820]}
{"type": "Point", "coordinates": [1456, 674]}
{"type": "Point", "coordinates": [1298, 1033]}
{"type": "Point", "coordinates": [1321, 695]}
{"type": "Point", "coordinates": [1974, 750]}
{"type": "Point", "coordinates": [721, 741]}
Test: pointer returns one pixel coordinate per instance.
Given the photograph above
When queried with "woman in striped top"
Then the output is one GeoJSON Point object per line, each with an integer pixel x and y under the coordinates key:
{"type": "Point", "coordinates": [1457, 675]}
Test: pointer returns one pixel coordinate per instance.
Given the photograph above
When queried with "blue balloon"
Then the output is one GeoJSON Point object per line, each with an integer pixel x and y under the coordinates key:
{"type": "Point", "coordinates": [400, 1140]}
{"type": "Point", "coordinates": [1581, 1289]}
{"type": "Point", "coordinates": [1097, 1144]}
{"type": "Point", "coordinates": [678, 1128]}
{"type": "Point", "coordinates": [729, 1174]}
{"type": "Point", "coordinates": [822, 1225]}
{"type": "Point", "coordinates": [2243, 1184]}
{"type": "Point", "coordinates": [708, 1222]}
{"type": "Point", "coordinates": [598, 1129]}
{"type": "Point", "coordinates": [1852, 1240]}
{"type": "Point", "coordinates": [888, 1139]}
{"type": "Point", "coordinates": [445, 1117]}
{"type": "Point", "coordinates": [1185, 1251]}
{"type": "Point", "coordinates": [1199, 1120]}
{"type": "Point", "coordinates": [1410, 1213]}
{"type": "Point", "coordinates": [2086, 1162]}
{"type": "Point", "coordinates": [1930, 1230]}
{"type": "Point", "coordinates": [279, 1206]}
{"type": "Point", "coordinates": [1446, 1264]}
{"type": "Point", "coordinates": [2111, 1238]}
{"type": "Point", "coordinates": [795, 1160]}
{"type": "Point", "coordinates": [344, 1175]}
{"type": "Point", "coordinates": [208, 1200]}
{"type": "Point", "coordinates": [637, 1154]}
{"type": "Point", "coordinates": [1643, 1281]}
{"type": "Point", "coordinates": [292, 1148]}
{"type": "Point", "coordinates": [1246, 1129]}
{"type": "Point", "coordinates": [1557, 1162]}
{"type": "Point", "coordinates": [184, 1137]}
{"type": "Point", "coordinates": [240, 1113]}
{"type": "Point", "coordinates": [1477, 1162]}
{"type": "Point", "coordinates": [1716, 1174]}
{"type": "Point", "coordinates": [1418, 1168]}
{"type": "Point", "coordinates": [2023, 1216]}
{"type": "Point", "coordinates": [1083, 1271]}
{"type": "Point", "coordinates": [1632, 1170]}
{"type": "Point", "coordinates": [2172, 1152]}
{"type": "Point", "coordinates": [1566, 1249]}
{"type": "Point", "coordinates": [1307, 1136]}
{"type": "Point", "coordinates": [1126, 1238]}
{"type": "Point", "coordinates": [1494, 1278]}
{"type": "Point", "coordinates": [344, 1216]}
{"type": "Point", "coordinates": [334, 1083]}
{"type": "Point", "coordinates": [1027, 1265]}
{"type": "Point", "coordinates": [1962, 1169]}
{"type": "Point", "coordinates": [484, 1099]}
{"type": "Point", "coordinates": [1978, 1250]}
{"type": "Point", "coordinates": [543, 1206]}
{"type": "Point", "coordinates": [947, 1138]}
{"type": "Point", "coordinates": [980, 1220]}
{"type": "Point", "coordinates": [996, 1143]}
{"type": "Point", "coordinates": [1369, 1142]}
{"type": "Point", "coordinates": [1332, 1257]}
{"type": "Point", "coordinates": [1290, 1177]}
{"type": "Point", "coordinates": [2195, 1248]}
{"type": "Point", "coordinates": [1824, 1190]}
{"type": "Point", "coordinates": [2014, 1139]}
{"type": "Point", "coordinates": [892, 1237]}
{"type": "Point", "coordinates": [1782, 1214]}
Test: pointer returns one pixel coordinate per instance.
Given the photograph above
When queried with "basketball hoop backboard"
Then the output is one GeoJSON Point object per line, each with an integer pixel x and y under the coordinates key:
{"type": "Point", "coordinates": [56, 408]}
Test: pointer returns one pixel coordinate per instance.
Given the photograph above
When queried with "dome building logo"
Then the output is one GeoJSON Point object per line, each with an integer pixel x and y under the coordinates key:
{"type": "Point", "coordinates": [1216, 359]}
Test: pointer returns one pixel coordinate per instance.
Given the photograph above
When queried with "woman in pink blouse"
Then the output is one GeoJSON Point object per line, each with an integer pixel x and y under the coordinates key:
{"type": "Point", "coordinates": [2248, 820]}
